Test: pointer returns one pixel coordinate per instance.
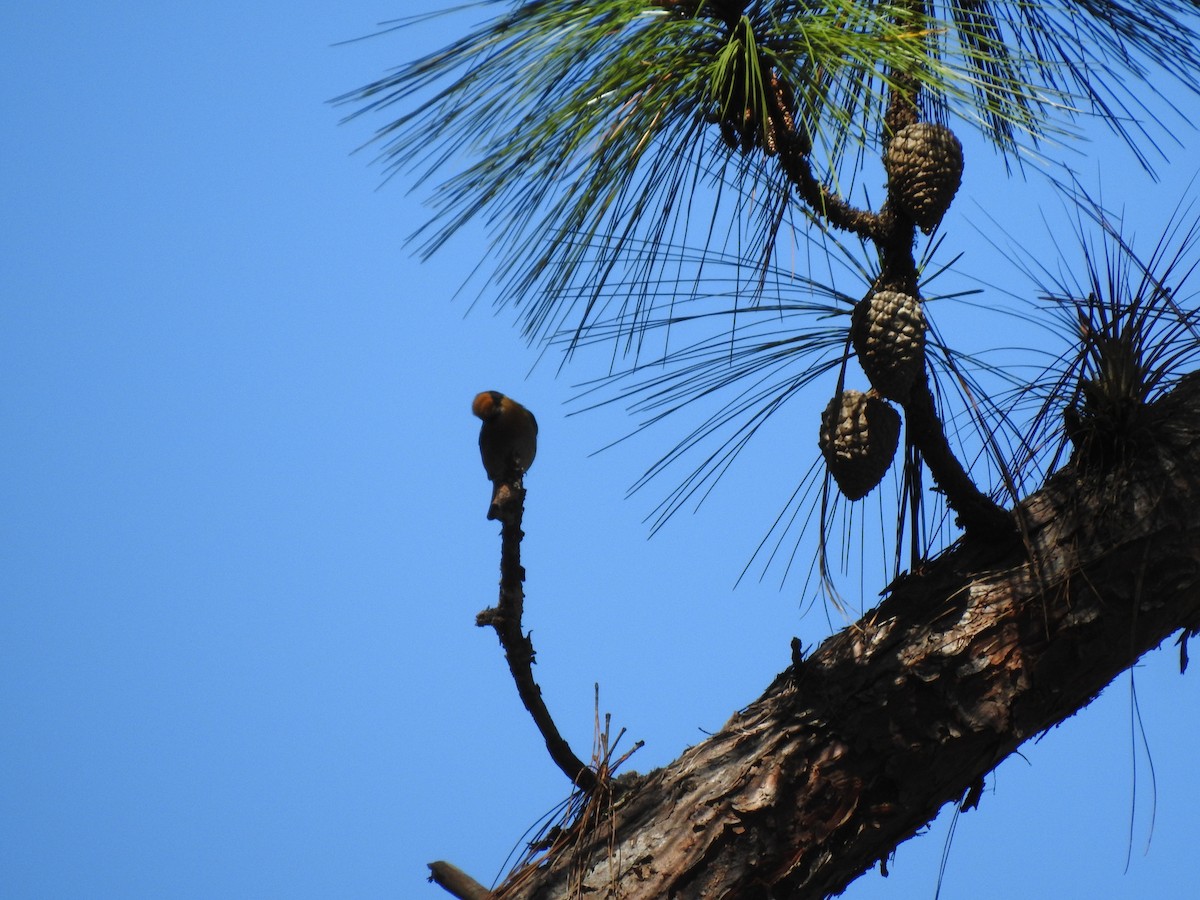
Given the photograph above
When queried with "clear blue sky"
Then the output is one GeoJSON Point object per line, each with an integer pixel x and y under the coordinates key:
{"type": "Point", "coordinates": [243, 538]}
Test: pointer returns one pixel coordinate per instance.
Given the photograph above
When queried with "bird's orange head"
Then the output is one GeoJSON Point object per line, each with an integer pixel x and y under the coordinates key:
{"type": "Point", "coordinates": [487, 404]}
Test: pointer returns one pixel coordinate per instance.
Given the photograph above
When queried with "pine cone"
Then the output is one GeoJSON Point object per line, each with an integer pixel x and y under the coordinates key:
{"type": "Point", "coordinates": [888, 332]}
{"type": "Point", "coordinates": [924, 164]}
{"type": "Point", "coordinates": [859, 436]}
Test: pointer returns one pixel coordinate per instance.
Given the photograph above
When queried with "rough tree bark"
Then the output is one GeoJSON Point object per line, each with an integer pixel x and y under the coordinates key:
{"type": "Point", "coordinates": [852, 750]}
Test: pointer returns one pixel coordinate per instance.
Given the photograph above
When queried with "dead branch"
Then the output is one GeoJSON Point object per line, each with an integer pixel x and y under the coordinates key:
{"type": "Point", "coordinates": [506, 618]}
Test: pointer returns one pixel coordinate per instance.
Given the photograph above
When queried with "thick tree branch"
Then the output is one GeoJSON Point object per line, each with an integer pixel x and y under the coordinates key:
{"type": "Point", "coordinates": [854, 749]}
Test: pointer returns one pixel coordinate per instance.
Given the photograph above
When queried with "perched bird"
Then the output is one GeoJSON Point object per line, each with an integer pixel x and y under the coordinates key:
{"type": "Point", "coordinates": [507, 443]}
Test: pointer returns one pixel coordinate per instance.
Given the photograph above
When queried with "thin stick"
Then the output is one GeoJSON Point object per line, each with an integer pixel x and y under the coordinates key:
{"type": "Point", "coordinates": [505, 617]}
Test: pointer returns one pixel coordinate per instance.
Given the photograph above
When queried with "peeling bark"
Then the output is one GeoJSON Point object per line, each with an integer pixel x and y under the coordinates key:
{"type": "Point", "coordinates": [853, 750]}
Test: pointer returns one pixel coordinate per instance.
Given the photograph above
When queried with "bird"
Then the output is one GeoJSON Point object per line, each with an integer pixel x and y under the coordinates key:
{"type": "Point", "coordinates": [507, 443]}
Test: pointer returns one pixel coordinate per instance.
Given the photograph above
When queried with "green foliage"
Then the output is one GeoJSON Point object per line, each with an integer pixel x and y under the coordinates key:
{"type": "Point", "coordinates": [578, 127]}
{"type": "Point", "coordinates": [574, 128]}
{"type": "Point", "coordinates": [1135, 330]}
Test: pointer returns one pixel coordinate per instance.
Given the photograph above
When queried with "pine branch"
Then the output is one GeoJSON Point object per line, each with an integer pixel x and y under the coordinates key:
{"type": "Point", "coordinates": [855, 748]}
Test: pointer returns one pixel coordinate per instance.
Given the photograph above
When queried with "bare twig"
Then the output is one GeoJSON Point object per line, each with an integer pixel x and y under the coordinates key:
{"type": "Point", "coordinates": [505, 617]}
